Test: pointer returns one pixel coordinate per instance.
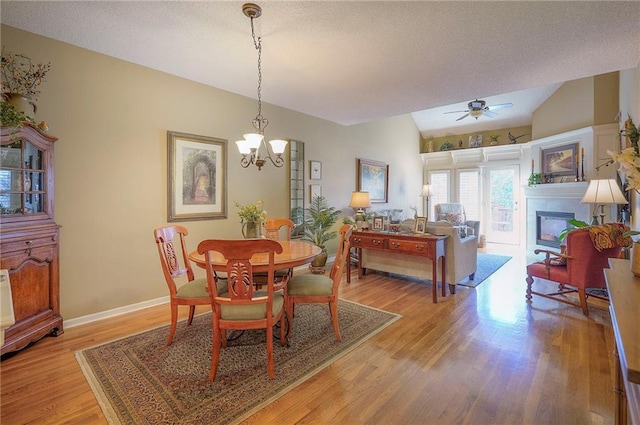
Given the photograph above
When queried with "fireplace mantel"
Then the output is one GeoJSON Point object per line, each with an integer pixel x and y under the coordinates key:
{"type": "Point", "coordinates": [556, 190]}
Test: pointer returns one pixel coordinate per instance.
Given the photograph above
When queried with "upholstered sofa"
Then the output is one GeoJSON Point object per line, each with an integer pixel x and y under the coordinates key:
{"type": "Point", "coordinates": [461, 254]}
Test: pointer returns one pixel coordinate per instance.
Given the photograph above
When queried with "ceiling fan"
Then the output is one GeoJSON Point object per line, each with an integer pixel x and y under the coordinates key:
{"type": "Point", "coordinates": [480, 107]}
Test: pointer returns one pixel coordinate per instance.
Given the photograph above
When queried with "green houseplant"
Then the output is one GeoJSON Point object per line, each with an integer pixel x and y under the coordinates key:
{"type": "Point", "coordinates": [319, 218]}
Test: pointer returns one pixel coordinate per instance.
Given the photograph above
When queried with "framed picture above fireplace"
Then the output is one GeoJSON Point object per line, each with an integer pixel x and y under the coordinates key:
{"type": "Point", "coordinates": [560, 160]}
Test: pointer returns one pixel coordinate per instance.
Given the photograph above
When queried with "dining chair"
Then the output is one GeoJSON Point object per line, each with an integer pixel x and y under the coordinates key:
{"type": "Point", "coordinates": [242, 307]}
{"type": "Point", "coordinates": [176, 268]}
{"type": "Point", "coordinates": [318, 288]}
{"type": "Point", "coordinates": [273, 230]}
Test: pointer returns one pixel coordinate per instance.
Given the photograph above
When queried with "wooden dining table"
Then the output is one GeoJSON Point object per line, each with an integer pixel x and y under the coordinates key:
{"type": "Point", "coordinates": [294, 253]}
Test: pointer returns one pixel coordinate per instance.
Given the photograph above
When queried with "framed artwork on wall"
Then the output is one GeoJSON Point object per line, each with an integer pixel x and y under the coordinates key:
{"type": "Point", "coordinates": [560, 160]}
{"type": "Point", "coordinates": [316, 190]}
{"type": "Point", "coordinates": [197, 177]}
{"type": "Point", "coordinates": [373, 177]}
{"type": "Point", "coordinates": [315, 170]}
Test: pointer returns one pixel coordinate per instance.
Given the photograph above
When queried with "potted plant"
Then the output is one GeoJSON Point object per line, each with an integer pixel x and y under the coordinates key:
{"type": "Point", "coordinates": [252, 217]}
{"type": "Point", "coordinates": [20, 81]}
{"type": "Point", "coordinates": [318, 221]}
{"type": "Point", "coordinates": [10, 116]}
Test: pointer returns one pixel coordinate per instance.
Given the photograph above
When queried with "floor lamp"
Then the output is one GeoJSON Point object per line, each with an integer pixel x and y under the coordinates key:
{"type": "Point", "coordinates": [603, 192]}
{"type": "Point", "coordinates": [427, 191]}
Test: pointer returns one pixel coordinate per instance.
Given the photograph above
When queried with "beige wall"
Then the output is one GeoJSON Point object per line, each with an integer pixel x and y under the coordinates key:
{"type": "Point", "coordinates": [578, 104]}
{"type": "Point", "coordinates": [111, 118]}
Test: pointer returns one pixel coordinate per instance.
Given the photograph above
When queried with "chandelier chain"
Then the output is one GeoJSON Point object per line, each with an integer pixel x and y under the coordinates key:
{"type": "Point", "coordinates": [260, 121]}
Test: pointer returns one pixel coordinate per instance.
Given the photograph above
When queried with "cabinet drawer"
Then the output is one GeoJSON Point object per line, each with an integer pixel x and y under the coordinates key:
{"type": "Point", "coordinates": [368, 242]}
{"type": "Point", "coordinates": [409, 247]}
{"type": "Point", "coordinates": [23, 244]}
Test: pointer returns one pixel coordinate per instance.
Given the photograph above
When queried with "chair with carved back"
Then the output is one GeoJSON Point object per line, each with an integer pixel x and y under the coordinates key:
{"type": "Point", "coordinates": [184, 289]}
{"type": "Point", "coordinates": [242, 307]}
{"type": "Point", "coordinates": [315, 288]}
{"type": "Point", "coordinates": [274, 228]}
{"type": "Point", "coordinates": [580, 267]}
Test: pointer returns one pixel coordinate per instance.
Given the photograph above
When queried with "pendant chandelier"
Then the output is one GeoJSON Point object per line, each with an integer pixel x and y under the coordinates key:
{"type": "Point", "coordinates": [250, 146]}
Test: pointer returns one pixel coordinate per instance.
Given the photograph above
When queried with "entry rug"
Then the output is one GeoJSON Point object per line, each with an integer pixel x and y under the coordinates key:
{"type": "Point", "coordinates": [139, 380]}
{"type": "Point", "coordinates": [487, 265]}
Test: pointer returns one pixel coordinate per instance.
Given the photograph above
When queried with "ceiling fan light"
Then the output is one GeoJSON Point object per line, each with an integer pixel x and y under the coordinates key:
{"type": "Point", "coordinates": [475, 113]}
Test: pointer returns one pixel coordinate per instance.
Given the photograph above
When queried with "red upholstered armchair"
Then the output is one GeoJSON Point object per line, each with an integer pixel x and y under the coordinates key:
{"type": "Point", "coordinates": [588, 250]}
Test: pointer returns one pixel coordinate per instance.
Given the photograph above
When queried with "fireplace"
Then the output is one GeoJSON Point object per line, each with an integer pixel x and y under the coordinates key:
{"type": "Point", "coordinates": [549, 224]}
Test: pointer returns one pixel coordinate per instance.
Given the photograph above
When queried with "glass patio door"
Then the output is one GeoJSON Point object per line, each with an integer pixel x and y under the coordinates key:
{"type": "Point", "coordinates": [501, 210]}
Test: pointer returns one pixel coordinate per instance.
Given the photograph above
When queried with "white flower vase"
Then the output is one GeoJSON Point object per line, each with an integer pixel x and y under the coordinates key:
{"type": "Point", "coordinates": [635, 260]}
{"type": "Point", "coordinates": [22, 103]}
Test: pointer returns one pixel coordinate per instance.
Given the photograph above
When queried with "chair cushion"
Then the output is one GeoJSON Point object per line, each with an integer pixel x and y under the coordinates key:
{"type": "Point", "coordinates": [197, 288]}
{"type": "Point", "coordinates": [556, 273]}
{"type": "Point", "coordinates": [252, 311]}
{"type": "Point", "coordinates": [310, 285]}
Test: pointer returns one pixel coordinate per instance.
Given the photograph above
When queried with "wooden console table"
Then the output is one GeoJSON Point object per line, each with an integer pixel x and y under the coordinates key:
{"type": "Point", "coordinates": [420, 245]}
{"type": "Point", "coordinates": [624, 300]}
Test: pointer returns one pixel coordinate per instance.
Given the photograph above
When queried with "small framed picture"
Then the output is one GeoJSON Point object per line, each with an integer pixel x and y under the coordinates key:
{"type": "Point", "coordinates": [315, 170]}
{"type": "Point", "coordinates": [378, 223]}
{"type": "Point", "coordinates": [421, 225]}
{"type": "Point", "coordinates": [316, 190]}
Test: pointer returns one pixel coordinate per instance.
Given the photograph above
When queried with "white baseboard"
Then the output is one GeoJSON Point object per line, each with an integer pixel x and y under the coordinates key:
{"type": "Point", "coordinates": [89, 318]}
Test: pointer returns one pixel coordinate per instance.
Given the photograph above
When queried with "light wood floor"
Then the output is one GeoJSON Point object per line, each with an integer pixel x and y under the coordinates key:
{"type": "Point", "coordinates": [483, 356]}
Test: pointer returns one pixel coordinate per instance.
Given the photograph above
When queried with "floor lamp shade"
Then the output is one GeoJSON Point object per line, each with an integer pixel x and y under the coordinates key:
{"type": "Point", "coordinates": [603, 192]}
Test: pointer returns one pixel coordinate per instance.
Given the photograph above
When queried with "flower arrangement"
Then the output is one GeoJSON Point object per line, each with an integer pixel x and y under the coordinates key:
{"type": "Point", "coordinates": [252, 213]}
{"type": "Point", "coordinates": [21, 76]}
{"type": "Point", "coordinates": [629, 158]}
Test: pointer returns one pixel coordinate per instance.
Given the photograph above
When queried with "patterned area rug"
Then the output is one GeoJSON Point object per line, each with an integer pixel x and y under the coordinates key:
{"type": "Point", "coordinates": [138, 379]}
{"type": "Point", "coordinates": [487, 265]}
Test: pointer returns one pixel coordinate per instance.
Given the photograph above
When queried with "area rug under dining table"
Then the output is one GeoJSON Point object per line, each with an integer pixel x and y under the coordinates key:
{"type": "Point", "coordinates": [138, 379]}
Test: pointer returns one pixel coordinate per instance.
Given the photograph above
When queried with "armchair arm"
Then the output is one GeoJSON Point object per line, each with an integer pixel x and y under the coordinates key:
{"type": "Point", "coordinates": [475, 225]}
{"type": "Point", "coordinates": [549, 253]}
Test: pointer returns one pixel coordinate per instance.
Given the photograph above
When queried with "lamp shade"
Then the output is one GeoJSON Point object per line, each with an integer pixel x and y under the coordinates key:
{"type": "Point", "coordinates": [605, 191]}
{"type": "Point", "coordinates": [426, 191]}
{"type": "Point", "coordinates": [360, 200]}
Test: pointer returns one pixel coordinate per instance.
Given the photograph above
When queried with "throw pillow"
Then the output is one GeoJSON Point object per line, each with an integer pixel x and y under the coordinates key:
{"type": "Point", "coordinates": [609, 235]}
{"type": "Point", "coordinates": [457, 219]}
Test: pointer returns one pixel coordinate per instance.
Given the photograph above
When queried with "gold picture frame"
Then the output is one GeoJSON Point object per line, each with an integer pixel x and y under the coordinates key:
{"type": "Point", "coordinates": [196, 177]}
{"type": "Point", "coordinates": [421, 225]}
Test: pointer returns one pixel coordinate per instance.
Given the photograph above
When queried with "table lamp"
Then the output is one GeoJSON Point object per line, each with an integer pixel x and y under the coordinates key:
{"type": "Point", "coordinates": [427, 191]}
{"type": "Point", "coordinates": [360, 201]}
{"type": "Point", "coordinates": [603, 192]}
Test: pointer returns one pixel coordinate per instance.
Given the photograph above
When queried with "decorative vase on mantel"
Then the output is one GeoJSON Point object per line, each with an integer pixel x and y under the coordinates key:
{"type": "Point", "coordinates": [251, 230]}
{"type": "Point", "coordinates": [635, 260]}
{"type": "Point", "coordinates": [22, 103]}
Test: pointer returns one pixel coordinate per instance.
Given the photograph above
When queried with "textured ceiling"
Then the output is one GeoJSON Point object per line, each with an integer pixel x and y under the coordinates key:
{"type": "Point", "coordinates": [351, 62]}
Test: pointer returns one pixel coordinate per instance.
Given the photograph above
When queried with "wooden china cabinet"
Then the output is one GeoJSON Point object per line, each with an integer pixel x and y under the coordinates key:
{"type": "Point", "coordinates": [29, 235]}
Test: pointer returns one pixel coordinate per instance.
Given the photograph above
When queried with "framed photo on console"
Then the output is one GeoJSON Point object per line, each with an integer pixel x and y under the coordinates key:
{"type": "Point", "coordinates": [378, 223]}
{"type": "Point", "coordinates": [421, 225]}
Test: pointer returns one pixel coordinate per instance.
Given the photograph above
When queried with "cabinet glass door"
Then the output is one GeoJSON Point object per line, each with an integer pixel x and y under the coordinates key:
{"type": "Point", "coordinates": [22, 180]}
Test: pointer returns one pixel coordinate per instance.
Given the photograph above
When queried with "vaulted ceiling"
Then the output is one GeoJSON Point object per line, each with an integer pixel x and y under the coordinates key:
{"type": "Point", "coordinates": [351, 62]}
